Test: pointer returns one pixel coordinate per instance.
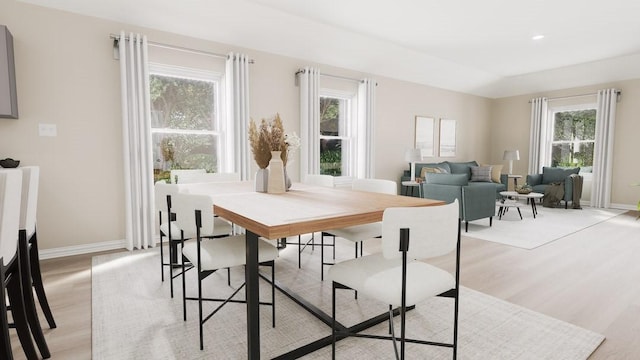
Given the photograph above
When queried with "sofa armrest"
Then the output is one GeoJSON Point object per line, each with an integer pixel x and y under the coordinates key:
{"type": "Point", "coordinates": [504, 180]}
{"type": "Point", "coordinates": [446, 193]}
{"type": "Point", "coordinates": [479, 202]}
{"type": "Point", "coordinates": [534, 179]}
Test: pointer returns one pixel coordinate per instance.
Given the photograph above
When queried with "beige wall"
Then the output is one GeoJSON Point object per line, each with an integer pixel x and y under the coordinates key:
{"type": "Point", "coordinates": [510, 119]}
{"type": "Point", "coordinates": [67, 76]}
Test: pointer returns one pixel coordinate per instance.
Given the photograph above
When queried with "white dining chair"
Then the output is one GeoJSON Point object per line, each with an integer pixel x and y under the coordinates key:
{"type": "Point", "coordinates": [360, 233]}
{"type": "Point", "coordinates": [10, 271]}
{"type": "Point", "coordinates": [30, 259]}
{"type": "Point", "coordinates": [396, 276]}
{"type": "Point", "coordinates": [177, 174]}
{"type": "Point", "coordinates": [315, 180]}
{"type": "Point", "coordinates": [208, 255]}
{"type": "Point", "coordinates": [199, 177]}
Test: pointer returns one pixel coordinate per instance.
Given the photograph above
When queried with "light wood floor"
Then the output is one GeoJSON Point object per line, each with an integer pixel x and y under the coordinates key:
{"type": "Point", "coordinates": [590, 280]}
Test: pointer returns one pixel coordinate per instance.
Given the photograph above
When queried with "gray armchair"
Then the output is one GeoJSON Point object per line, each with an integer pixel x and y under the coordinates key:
{"type": "Point", "coordinates": [476, 202]}
{"type": "Point", "coordinates": [540, 182]}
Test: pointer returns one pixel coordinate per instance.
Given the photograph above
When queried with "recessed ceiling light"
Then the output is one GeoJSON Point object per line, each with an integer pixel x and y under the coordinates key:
{"type": "Point", "coordinates": [537, 37]}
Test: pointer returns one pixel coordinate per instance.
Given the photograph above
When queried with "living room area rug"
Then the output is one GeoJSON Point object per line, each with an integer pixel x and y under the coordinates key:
{"type": "Point", "coordinates": [550, 224]}
{"type": "Point", "coordinates": [134, 317]}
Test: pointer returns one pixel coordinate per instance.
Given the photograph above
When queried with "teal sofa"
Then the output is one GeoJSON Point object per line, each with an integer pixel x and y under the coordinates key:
{"type": "Point", "coordinates": [448, 181]}
{"type": "Point", "coordinates": [539, 182]}
{"type": "Point", "coordinates": [448, 167]}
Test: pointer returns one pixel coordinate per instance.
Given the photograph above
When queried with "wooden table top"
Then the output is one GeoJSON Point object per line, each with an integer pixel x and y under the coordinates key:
{"type": "Point", "coordinates": [303, 209]}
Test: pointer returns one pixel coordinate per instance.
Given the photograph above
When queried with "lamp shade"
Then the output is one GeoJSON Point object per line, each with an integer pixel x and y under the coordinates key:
{"type": "Point", "coordinates": [511, 155]}
{"type": "Point", "coordinates": [413, 155]}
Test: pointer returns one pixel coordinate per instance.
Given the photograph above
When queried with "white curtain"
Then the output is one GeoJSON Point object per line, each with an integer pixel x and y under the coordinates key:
{"type": "Point", "coordinates": [237, 93]}
{"type": "Point", "coordinates": [603, 152]}
{"type": "Point", "coordinates": [366, 123]}
{"type": "Point", "coordinates": [537, 136]}
{"type": "Point", "coordinates": [309, 81]}
{"type": "Point", "coordinates": [136, 133]}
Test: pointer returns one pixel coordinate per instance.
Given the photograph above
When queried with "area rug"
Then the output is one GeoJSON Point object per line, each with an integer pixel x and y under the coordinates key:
{"type": "Point", "coordinates": [528, 233]}
{"type": "Point", "coordinates": [134, 317]}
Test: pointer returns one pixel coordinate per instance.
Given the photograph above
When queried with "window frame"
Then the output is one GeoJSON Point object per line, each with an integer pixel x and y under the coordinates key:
{"type": "Point", "coordinates": [551, 127]}
{"type": "Point", "coordinates": [350, 122]}
{"type": "Point", "coordinates": [219, 127]}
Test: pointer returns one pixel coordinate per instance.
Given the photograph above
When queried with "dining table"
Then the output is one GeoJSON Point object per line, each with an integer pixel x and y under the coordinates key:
{"type": "Point", "coordinates": [301, 210]}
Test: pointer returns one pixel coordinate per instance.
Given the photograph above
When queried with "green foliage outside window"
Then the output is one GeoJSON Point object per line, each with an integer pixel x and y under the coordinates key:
{"type": "Point", "coordinates": [573, 138]}
{"type": "Point", "coordinates": [183, 117]}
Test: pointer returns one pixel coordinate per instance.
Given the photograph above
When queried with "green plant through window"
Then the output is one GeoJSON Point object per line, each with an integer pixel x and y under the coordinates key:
{"type": "Point", "coordinates": [573, 138]}
{"type": "Point", "coordinates": [333, 135]}
{"type": "Point", "coordinates": [184, 123]}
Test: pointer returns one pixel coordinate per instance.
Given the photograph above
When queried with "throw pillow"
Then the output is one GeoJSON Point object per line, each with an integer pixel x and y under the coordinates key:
{"type": "Point", "coordinates": [481, 173]}
{"type": "Point", "coordinates": [431, 170]}
{"type": "Point", "coordinates": [496, 171]}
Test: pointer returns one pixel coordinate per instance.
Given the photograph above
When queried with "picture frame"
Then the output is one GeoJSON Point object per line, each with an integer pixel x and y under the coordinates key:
{"type": "Point", "coordinates": [424, 135]}
{"type": "Point", "coordinates": [447, 137]}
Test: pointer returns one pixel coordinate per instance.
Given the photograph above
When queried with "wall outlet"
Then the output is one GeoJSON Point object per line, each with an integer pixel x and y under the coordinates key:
{"type": "Point", "coordinates": [47, 130]}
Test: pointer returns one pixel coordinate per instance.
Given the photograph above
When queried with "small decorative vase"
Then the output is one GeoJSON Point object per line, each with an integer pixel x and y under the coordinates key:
{"type": "Point", "coordinates": [287, 179]}
{"type": "Point", "coordinates": [262, 180]}
{"type": "Point", "coordinates": [276, 174]}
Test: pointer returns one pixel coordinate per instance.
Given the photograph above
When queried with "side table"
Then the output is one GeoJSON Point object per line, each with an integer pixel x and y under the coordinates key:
{"type": "Point", "coordinates": [515, 180]}
{"type": "Point", "coordinates": [413, 185]}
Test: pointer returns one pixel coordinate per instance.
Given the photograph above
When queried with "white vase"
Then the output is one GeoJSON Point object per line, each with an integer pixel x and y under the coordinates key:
{"type": "Point", "coordinates": [276, 174]}
{"type": "Point", "coordinates": [262, 180]}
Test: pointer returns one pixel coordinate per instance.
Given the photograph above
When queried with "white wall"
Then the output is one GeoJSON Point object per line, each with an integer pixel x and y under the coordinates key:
{"type": "Point", "coordinates": [67, 76]}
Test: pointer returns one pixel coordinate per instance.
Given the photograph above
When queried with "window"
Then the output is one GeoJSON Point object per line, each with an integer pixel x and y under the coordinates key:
{"type": "Point", "coordinates": [573, 138]}
{"type": "Point", "coordinates": [185, 126]}
{"type": "Point", "coordinates": [337, 143]}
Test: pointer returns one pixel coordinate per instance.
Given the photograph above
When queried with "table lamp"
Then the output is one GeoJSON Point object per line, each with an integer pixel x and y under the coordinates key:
{"type": "Point", "coordinates": [511, 155]}
{"type": "Point", "coordinates": [412, 156]}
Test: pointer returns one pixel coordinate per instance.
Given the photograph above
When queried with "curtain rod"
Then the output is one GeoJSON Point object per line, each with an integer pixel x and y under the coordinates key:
{"type": "Point", "coordinates": [116, 38]}
{"type": "Point", "coordinates": [618, 93]}
{"type": "Point", "coordinates": [302, 71]}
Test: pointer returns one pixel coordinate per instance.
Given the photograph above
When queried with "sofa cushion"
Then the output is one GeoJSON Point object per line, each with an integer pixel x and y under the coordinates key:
{"type": "Point", "coordinates": [481, 173]}
{"type": "Point", "coordinates": [429, 169]}
{"type": "Point", "coordinates": [447, 179]}
{"type": "Point", "coordinates": [557, 174]}
{"type": "Point", "coordinates": [462, 167]}
{"type": "Point", "coordinates": [496, 171]}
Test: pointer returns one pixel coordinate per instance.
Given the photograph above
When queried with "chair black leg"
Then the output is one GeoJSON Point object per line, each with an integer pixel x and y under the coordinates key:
{"type": "Point", "coordinates": [273, 294]}
{"type": "Point", "coordinates": [322, 257]}
{"type": "Point", "coordinates": [5, 342]}
{"type": "Point", "coordinates": [299, 250]}
{"type": "Point", "coordinates": [171, 256]}
{"type": "Point", "coordinates": [184, 293]}
{"type": "Point", "coordinates": [27, 295]}
{"type": "Point", "coordinates": [490, 221]}
{"type": "Point", "coordinates": [333, 321]}
{"type": "Point", "coordinates": [36, 276]}
{"type": "Point", "coordinates": [14, 290]}
{"type": "Point", "coordinates": [200, 308]}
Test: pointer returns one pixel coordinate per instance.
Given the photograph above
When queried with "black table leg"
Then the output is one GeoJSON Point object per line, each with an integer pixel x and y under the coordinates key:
{"type": "Point", "coordinates": [252, 293]}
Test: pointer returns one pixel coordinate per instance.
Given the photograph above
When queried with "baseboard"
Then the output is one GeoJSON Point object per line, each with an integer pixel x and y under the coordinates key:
{"type": "Point", "coordinates": [624, 206]}
{"type": "Point", "coordinates": [81, 249]}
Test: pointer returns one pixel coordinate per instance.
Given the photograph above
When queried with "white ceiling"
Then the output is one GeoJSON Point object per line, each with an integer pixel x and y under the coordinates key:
{"type": "Point", "coordinates": [478, 47]}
